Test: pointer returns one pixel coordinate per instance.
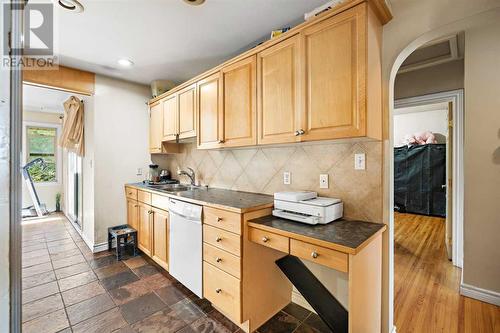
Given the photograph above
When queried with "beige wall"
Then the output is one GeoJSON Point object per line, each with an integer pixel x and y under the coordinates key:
{"type": "Point", "coordinates": [482, 158]}
{"type": "Point", "coordinates": [261, 170]}
{"type": "Point", "coordinates": [415, 23]}
{"type": "Point", "coordinates": [444, 77]}
{"type": "Point", "coordinates": [120, 127]}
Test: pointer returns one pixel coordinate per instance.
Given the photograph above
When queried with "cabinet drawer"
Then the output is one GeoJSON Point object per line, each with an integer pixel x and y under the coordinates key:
{"type": "Point", "coordinates": [222, 239]}
{"type": "Point", "coordinates": [277, 242]}
{"type": "Point", "coordinates": [222, 219]}
{"type": "Point", "coordinates": [221, 259]}
{"type": "Point", "coordinates": [223, 290]}
{"type": "Point", "coordinates": [159, 201]}
{"type": "Point", "coordinates": [144, 197]}
{"type": "Point", "coordinates": [131, 193]}
{"type": "Point", "coordinates": [323, 256]}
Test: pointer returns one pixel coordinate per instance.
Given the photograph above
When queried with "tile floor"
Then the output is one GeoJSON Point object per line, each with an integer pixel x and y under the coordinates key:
{"type": "Point", "coordinates": [67, 288]}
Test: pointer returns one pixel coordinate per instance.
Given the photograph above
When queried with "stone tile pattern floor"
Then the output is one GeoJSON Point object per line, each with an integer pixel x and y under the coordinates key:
{"type": "Point", "coordinates": [67, 288]}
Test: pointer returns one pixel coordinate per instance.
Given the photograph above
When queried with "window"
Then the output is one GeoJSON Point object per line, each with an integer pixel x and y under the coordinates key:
{"type": "Point", "coordinates": [41, 143]}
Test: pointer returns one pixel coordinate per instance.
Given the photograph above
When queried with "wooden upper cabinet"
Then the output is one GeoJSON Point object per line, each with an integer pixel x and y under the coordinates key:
{"type": "Point", "coordinates": [279, 92]}
{"type": "Point", "coordinates": [187, 112]}
{"type": "Point", "coordinates": [210, 115]}
{"type": "Point", "coordinates": [239, 103]}
{"type": "Point", "coordinates": [159, 248]}
{"type": "Point", "coordinates": [170, 118]}
{"type": "Point", "coordinates": [335, 58]}
{"type": "Point", "coordinates": [156, 128]}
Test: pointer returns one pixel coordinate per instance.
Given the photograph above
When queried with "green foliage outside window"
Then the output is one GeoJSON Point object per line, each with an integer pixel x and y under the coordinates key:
{"type": "Point", "coordinates": [41, 142]}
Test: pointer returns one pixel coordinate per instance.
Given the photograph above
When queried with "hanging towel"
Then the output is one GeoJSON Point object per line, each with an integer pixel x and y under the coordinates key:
{"type": "Point", "coordinates": [72, 131]}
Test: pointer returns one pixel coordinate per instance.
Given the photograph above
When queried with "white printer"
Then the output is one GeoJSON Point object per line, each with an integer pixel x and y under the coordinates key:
{"type": "Point", "coordinates": [307, 207]}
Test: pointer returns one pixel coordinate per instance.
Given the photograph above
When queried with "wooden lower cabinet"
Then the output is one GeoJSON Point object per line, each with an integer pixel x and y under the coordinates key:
{"type": "Point", "coordinates": [151, 223]}
{"type": "Point", "coordinates": [159, 248]}
{"type": "Point", "coordinates": [144, 228]}
{"type": "Point", "coordinates": [223, 290]}
{"type": "Point", "coordinates": [132, 213]}
{"type": "Point", "coordinates": [240, 278]}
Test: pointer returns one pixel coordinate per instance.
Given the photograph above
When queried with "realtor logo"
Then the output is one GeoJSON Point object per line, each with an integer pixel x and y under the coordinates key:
{"type": "Point", "coordinates": [38, 39]}
{"type": "Point", "coordinates": [39, 29]}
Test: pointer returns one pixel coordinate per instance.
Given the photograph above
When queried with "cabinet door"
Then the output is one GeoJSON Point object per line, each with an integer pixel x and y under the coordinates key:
{"type": "Point", "coordinates": [155, 127]}
{"type": "Point", "coordinates": [278, 92]}
{"type": "Point", "coordinates": [187, 112]}
{"type": "Point", "coordinates": [335, 65]}
{"type": "Point", "coordinates": [159, 249]}
{"type": "Point", "coordinates": [239, 89]}
{"type": "Point", "coordinates": [132, 213]}
{"type": "Point", "coordinates": [144, 231]}
{"type": "Point", "coordinates": [210, 121]}
{"type": "Point", "coordinates": [170, 118]}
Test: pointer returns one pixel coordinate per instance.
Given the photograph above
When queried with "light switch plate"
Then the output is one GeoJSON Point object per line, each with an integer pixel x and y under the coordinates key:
{"type": "Point", "coordinates": [286, 178]}
{"type": "Point", "coordinates": [139, 172]}
{"type": "Point", "coordinates": [360, 161]}
{"type": "Point", "coordinates": [323, 181]}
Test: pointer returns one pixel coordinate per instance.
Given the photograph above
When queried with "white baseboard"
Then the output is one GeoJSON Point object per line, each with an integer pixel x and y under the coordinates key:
{"type": "Point", "coordinates": [480, 294]}
{"type": "Point", "coordinates": [102, 247]}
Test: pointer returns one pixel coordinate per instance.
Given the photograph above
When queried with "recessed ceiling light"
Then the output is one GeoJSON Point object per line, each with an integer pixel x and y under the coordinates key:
{"type": "Point", "coordinates": [125, 62]}
{"type": "Point", "coordinates": [194, 2]}
{"type": "Point", "coordinates": [71, 5]}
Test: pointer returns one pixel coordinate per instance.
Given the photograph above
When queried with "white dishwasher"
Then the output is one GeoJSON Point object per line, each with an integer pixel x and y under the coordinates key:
{"type": "Point", "coordinates": [185, 249]}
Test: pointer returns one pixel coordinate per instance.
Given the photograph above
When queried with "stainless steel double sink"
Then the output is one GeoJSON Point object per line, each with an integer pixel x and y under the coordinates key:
{"type": "Point", "coordinates": [176, 187]}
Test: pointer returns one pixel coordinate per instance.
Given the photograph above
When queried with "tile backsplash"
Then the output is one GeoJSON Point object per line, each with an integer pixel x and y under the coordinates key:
{"type": "Point", "coordinates": [260, 169]}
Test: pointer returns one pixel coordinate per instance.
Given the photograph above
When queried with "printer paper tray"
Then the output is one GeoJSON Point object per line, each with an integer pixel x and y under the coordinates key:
{"type": "Point", "coordinates": [308, 219]}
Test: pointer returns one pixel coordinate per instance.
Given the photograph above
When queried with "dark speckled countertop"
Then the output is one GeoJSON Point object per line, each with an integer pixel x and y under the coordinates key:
{"type": "Point", "coordinates": [342, 235]}
{"type": "Point", "coordinates": [220, 198]}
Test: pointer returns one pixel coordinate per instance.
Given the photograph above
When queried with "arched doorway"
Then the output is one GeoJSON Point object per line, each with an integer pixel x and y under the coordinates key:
{"type": "Point", "coordinates": [461, 25]}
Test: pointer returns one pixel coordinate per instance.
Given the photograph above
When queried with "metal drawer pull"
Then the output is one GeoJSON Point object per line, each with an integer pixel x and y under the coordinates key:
{"type": "Point", "coordinates": [265, 239]}
{"type": "Point", "coordinates": [218, 239]}
{"type": "Point", "coordinates": [150, 212]}
{"type": "Point", "coordinates": [218, 259]}
{"type": "Point", "coordinates": [314, 254]}
{"type": "Point", "coordinates": [219, 219]}
{"type": "Point", "coordinates": [218, 290]}
{"type": "Point", "coordinates": [299, 132]}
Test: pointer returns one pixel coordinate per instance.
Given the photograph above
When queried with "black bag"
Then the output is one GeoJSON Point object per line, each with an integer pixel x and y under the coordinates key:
{"type": "Point", "coordinates": [419, 176]}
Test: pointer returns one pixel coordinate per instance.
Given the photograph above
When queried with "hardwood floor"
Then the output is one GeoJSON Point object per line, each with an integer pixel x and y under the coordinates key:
{"type": "Point", "coordinates": [426, 295]}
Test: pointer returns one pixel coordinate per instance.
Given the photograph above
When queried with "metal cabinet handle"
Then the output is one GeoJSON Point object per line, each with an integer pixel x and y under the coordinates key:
{"type": "Point", "coordinates": [314, 254]}
{"type": "Point", "coordinates": [299, 132]}
{"type": "Point", "coordinates": [136, 206]}
{"type": "Point", "coordinates": [220, 141]}
{"type": "Point", "coordinates": [265, 239]}
{"type": "Point", "coordinates": [218, 239]}
{"type": "Point", "coordinates": [219, 219]}
{"type": "Point", "coordinates": [218, 290]}
{"type": "Point", "coordinates": [150, 212]}
{"type": "Point", "coordinates": [218, 259]}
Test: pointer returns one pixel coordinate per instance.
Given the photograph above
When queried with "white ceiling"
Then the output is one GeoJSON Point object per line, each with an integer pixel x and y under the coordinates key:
{"type": "Point", "coordinates": [37, 99]}
{"type": "Point", "coordinates": [168, 39]}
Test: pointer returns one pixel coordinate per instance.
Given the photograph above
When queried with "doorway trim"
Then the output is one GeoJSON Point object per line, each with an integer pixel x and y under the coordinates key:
{"type": "Point", "coordinates": [456, 97]}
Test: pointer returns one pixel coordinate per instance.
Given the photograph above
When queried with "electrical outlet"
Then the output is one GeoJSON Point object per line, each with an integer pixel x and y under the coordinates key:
{"type": "Point", "coordinates": [360, 161]}
{"type": "Point", "coordinates": [286, 178]}
{"type": "Point", "coordinates": [139, 172]}
{"type": "Point", "coordinates": [323, 181]}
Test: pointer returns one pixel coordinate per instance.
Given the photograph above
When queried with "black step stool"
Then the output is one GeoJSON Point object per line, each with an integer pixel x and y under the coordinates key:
{"type": "Point", "coordinates": [125, 236]}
